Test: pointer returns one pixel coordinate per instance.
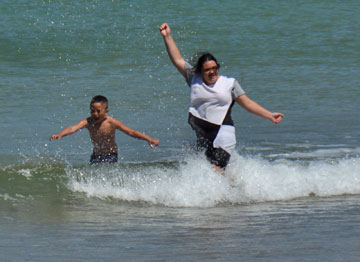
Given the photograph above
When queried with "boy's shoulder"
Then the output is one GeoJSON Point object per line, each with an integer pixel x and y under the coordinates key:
{"type": "Point", "coordinates": [84, 122]}
{"type": "Point", "coordinates": [110, 119]}
{"type": "Point", "coordinates": [116, 123]}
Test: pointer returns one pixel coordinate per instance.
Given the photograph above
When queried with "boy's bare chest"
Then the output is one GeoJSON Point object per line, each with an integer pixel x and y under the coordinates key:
{"type": "Point", "coordinates": [102, 129]}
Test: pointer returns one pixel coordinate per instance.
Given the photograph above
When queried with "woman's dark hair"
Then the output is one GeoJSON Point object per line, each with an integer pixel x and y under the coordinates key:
{"type": "Point", "coordinates": [202, 58]}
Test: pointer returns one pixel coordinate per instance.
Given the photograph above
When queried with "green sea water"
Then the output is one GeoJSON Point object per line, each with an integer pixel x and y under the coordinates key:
{"type": "Point", "coordinates": [291, 191]}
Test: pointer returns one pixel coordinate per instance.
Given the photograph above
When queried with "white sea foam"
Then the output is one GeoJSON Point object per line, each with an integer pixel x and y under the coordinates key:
{"type": "Point", "coordinates": [330, 151]}
{"type": "Point", "coordinates": [25, 172]}
{"type": "Point", "coordinates": [195, 184]}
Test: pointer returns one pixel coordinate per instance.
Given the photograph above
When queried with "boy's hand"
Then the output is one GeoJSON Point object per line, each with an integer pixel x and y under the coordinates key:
{"type": "Point", "coordinates": [55, 137]}
{"type": "Point", "coordinates": [153, 142]}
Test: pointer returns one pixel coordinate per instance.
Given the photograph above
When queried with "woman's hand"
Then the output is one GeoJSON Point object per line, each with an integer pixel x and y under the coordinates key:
{"type": "Point", "coordinates": [257, 109]}
{"type": "Point", "coordinates": [165, 30]}
{"type": "Point", "coordinates": [276, 118]}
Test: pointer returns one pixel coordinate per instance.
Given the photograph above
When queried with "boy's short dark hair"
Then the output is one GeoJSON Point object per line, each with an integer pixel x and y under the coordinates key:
{"type": "Point", "coordinates": [99, 99]}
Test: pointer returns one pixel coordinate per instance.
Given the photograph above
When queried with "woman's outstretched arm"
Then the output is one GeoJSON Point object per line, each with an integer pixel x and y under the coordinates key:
{"type": "Point", "coordinates": [172, 49]}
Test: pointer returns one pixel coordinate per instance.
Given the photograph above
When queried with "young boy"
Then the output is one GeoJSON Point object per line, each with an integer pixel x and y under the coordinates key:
{"type": "Point", "coordinates": [102, 132]}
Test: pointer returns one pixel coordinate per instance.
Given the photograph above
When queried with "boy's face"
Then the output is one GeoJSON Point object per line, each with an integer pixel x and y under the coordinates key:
{"type": "Point", "coordinates": [98, 111]}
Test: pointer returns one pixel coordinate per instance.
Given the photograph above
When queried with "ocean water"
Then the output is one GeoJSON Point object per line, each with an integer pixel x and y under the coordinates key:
{"type": "Point", "coordinates": [291, 191]}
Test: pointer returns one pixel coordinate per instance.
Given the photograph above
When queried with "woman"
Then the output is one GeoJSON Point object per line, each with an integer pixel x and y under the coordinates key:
{"type": "Point", "coordinates": [211, 99]}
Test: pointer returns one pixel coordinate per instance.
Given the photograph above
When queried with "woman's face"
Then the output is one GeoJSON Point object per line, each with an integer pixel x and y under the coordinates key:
{"type": "Point", "coordinates": [210, 72]}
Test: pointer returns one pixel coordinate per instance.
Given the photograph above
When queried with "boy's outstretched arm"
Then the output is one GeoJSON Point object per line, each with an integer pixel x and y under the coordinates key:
{"type": "Point", "coordinates": [134, 133]}
{"type": "Point", "coordinates": [70, 130]}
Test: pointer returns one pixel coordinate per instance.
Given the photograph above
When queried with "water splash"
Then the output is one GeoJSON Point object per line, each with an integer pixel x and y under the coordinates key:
{"type": "Point", "coordinates": [193, 183]}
